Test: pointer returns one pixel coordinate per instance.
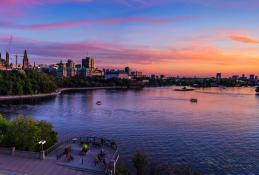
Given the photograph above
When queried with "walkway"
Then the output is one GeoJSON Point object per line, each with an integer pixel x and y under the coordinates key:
{"type": "Point", "coordinates": [53, 94]}
{"type": "Point", "coordinates": [22, 166]}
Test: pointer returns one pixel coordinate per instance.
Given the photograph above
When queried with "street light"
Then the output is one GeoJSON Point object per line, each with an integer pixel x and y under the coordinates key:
{"type": "Point", "coordinates": [42, 142]}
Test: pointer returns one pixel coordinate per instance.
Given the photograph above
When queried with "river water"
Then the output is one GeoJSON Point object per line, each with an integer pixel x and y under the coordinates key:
{"type": "Point", "coordinates": [218, 135]}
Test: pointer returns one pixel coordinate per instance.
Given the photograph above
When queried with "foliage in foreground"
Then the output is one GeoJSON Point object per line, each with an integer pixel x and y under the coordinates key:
{"type": "Point", "coordinates": [24, 133]}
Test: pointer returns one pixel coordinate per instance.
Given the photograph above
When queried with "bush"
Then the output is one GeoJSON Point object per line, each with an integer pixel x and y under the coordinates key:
{"type": "Point", "coordinates": [140, 162]}
{"type": "Point", "coordinates": [24, 133]}
{"type": "Point", "coordinates": [122, 169]}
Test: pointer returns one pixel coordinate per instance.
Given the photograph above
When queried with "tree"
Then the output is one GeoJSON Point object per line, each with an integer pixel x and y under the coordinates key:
{"type": "Point", "coordinates": [122, 170]}
{"type": "Point", "coordinates": [140, 162]}
{"type": "Point", "coordinates": [4, 124]}
{"type": "Point", "coordinates": [24, 133]}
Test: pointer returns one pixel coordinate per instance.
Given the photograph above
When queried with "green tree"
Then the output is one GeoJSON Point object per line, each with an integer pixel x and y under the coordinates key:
{"type": "Point", "coordinates": [24, 133]}
{"type": "Point", "coordinates": [140, 162]}
{"type": "Point", "coordinates": [122, 169]}
{"type": "Point", "coordinates": [4, 124]}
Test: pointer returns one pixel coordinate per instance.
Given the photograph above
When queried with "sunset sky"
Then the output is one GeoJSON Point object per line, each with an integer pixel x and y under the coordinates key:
{"type": "Point", "coordinates": [172, 37]}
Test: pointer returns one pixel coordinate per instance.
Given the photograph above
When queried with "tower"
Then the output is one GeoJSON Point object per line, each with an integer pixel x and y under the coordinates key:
{"type": "Point", "coordinates": [25, 61]}
{"type": "Point", "coordinates": [88, 63]}
{"type": "Point", "coordinates": [127, 70]}
{"type": "Point", "coordinates": [16, 61]}
{"type": "Point", "coordinates": [7, 59]}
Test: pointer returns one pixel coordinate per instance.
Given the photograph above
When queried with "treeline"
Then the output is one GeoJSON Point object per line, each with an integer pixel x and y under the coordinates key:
{"type": "Point", "coordinates": [143, 166]}
{"type": "Point", "coordinates": [34, 82]}
{"type": "Point", "coordinates": [24, 133]}
{"type": "Point", "coordinates": [91, 82]}
{"type": "Point", "coordinates": [197, 82]}
{"type": "Point", "coordinates": [25, 82]}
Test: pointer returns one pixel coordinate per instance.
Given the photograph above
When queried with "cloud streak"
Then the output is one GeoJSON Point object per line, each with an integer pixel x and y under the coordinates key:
{"type": "Point", "coordinates": [244, 39]}
{"type": "Point", "coordinates": [193, 58]}
{"type": "Point", "coordinates": [86, 22]}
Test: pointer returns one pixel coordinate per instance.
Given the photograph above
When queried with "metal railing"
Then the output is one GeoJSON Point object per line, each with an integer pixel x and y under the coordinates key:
{"type": "Point", "coordinates": [98, 141]}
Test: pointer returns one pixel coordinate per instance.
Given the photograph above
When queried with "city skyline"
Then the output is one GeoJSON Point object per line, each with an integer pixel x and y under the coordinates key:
{"type": "Point", "coordinates": [189, 38]}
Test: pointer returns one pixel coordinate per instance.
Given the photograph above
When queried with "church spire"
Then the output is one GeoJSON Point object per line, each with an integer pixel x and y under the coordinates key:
{"type": "Point", "coordinates": [25, 64]}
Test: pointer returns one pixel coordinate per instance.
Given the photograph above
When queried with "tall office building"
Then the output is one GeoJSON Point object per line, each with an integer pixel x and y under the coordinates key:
{"type": "Point", "coordinates": [218, 76]}
{"type": "Point", "coordinates": [25, 61]}
{"type": "Point", "coordinates": [70, 68]}
{"type": "Point", "coordinates": [62, 70]}
{"type": "Point", "coordinates": [7, 59]}
{"type": "Point", "coordinates": [127, 70]}
{"type": "Point", "coordinates": [88, 63]}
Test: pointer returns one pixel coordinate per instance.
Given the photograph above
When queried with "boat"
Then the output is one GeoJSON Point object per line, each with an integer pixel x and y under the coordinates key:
{"type": "Point", "coordinates": [194, 100]}
{"type": "Point", "coordinates": [257, 90]}
{"type": "Point", "coordinates": [185, 89]}
{"type": "Point", "coordinates": [99, 103]}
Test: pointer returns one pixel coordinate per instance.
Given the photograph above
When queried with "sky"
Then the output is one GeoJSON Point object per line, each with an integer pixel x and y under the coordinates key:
{"type": "Point", "coordinates": [171, 37]}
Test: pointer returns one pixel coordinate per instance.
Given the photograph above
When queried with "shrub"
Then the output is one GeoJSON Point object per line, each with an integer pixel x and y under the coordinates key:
{"type": "Point", "coordinates": [24, 133]}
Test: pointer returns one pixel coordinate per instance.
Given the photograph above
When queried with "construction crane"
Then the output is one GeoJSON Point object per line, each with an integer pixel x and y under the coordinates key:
{"type": "Point", "coordinates": [10, 44]}
{"type": "Point", "coordinates": [16, 59]}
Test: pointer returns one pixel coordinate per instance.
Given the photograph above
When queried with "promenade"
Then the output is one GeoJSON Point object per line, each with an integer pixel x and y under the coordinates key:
{"type": "Point", "coordinates": [10, 165]}
{"type": "Point", "coordinates": [53, 94]}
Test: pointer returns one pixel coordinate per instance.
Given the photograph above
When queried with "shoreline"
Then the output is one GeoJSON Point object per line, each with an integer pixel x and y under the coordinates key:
{"type": "Point", "coordinates": [53, 94]}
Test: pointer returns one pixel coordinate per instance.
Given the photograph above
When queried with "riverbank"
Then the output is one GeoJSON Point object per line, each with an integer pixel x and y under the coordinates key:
{"type": "Point", "coordinates": [53, 94]}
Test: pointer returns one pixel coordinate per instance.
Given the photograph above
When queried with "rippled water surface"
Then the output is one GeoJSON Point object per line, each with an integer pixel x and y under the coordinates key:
{"type": "Point", "coordinates": [218, 135]}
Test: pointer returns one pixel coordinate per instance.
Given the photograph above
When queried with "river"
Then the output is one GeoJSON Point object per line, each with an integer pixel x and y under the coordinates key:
{"type": "Point", "coordinates": [218, 135]}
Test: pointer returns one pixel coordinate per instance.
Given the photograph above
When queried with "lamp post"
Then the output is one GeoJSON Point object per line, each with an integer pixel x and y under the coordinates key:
{"type": "Point", "coordinates": [42, 142]}
{"type": "Point", "coordinates": [42, 154]}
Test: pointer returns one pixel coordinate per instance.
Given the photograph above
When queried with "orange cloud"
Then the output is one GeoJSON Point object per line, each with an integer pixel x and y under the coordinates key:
{"type": "Point", "coordinates": [245, 39]}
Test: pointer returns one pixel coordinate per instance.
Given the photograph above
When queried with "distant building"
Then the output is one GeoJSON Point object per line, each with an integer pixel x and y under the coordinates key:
{"type": "Point", "coordinates": [218, 76]}
{"type": "Point", "coordinates": [116, 74]}
{"type": "Point", "coordinates": [25, 61]}
{"type": "Point", "coordinates": [7, 60]}
{"type": "Point", "coordinates": [243, 78]}
{"type": "Point", "coordinates": [252, 77]}
{"type": "Point", "coordinates": [62, 70]}
{"type": "Point", "coordinates": [127, 70]}
{"type": "Point", "coordinates": [235, 77]}
{"type": "Point", "coordinates": [70, 68]}
{"type": "Point", "coordinates": [136, 74]}
{"type": "Point", "coordinates": [5, 63]}
{"type": "Point", "coordinates": [88, 63]}
{"type": "Point", "coordinates": [78, 69]}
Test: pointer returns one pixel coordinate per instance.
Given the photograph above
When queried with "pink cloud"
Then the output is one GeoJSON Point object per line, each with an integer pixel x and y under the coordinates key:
{"type": "Point", "coordinates": [108, 21]}
{"type": "Point", "coordinates": [196, 57]}
{"type": "Point", "coordinates": [244, 39]}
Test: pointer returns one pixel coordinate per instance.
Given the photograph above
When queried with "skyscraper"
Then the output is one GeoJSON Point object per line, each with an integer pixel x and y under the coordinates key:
{"type": "Point", "coordinates": [88, 63]}
{"type": "Point", "coordinates": [127, 70]}
{"type": "Point", "coordinates": [7, 60]}
{"type": "Point", "coordinates": [25, 61]}
{"type": "Point", "coordinates": [218, 76]}
{"type": "Point", "coordinates": [70, 65]}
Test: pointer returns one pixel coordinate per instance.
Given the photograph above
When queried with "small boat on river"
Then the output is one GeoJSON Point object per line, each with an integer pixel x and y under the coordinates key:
{"type": "Point", "coordinates": [98, 103]}
{"type": "Point", "coordinates": [257, 90]}
{"type": "Point", "coordinates": [185, 89]}
{"type": "Point", "coordinates": [194, 100]}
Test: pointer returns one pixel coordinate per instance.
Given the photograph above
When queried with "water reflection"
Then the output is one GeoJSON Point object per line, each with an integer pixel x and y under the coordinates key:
{"type": "Point", "coordinates": [218, 135]}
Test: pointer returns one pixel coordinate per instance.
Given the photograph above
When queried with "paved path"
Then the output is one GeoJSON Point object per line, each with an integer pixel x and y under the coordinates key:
{"type": "Point", "coordinates": [22, 166]}
{"type": "Point", "coordinates": [53, 94]}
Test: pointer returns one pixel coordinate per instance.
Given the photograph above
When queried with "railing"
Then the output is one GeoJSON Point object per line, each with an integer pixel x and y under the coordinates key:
{"type": "Point", "coordinates": [52, 148]}
{"type": "Point", "coordinates": [99, 142]}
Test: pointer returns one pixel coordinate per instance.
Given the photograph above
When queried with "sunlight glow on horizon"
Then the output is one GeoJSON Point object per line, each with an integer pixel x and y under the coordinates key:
{"type": "Point", "coordinates": [186, 38]}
